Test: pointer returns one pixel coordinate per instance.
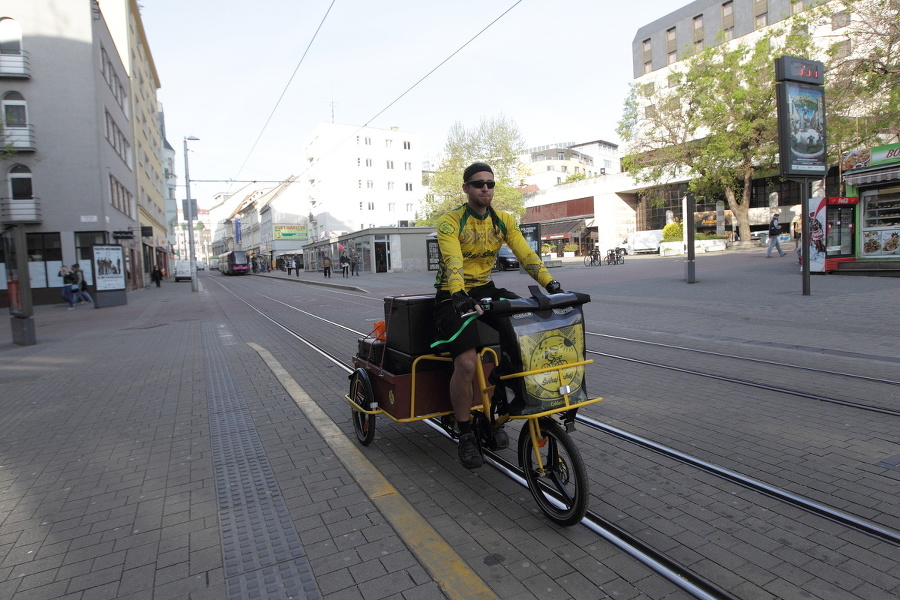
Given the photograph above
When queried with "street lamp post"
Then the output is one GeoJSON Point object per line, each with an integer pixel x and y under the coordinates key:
{"type": "Point", "coordinates": [190, 214]}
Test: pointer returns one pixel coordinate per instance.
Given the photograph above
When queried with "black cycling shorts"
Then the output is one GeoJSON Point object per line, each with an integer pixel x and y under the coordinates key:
{"type": "Point", "coordinates": [447, 322]}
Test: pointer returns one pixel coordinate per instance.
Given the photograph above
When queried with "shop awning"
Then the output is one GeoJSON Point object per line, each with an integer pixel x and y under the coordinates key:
{"type": "Point", "coordinates": [872, 176]}
{"type": "Point", "coordinates": [560, 229]}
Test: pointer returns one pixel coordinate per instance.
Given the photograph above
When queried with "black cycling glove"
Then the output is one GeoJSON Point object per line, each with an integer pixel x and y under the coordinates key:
{"type": "Point", "coordinates": [463, 303]}
{"type": "Point", "coordinates": [553, 287]}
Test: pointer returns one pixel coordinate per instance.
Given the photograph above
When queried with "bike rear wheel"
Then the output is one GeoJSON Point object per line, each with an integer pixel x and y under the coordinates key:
{"type": "Point", "coordinates": [362, 395]}
{"type": "Point", "coordinates": [561, 490]}
{"type": "Point", "coordinates": [588, 260]}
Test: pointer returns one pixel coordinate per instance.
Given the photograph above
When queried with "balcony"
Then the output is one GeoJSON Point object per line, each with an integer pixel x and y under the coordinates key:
{"type": "Point", "coordinates": [15, 66]}
{"type": "Point", "coordinates": [18, 139]}
{"type": "Point", "coordinates": [20, 211]}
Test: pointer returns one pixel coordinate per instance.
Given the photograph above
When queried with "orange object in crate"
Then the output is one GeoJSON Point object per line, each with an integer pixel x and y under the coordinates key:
{"type": "Point", "coordinates": [380, 330]}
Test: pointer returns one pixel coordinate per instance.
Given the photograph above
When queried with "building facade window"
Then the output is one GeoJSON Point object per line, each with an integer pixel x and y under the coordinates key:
{"type": "Point", "coordinates": [407, 166]}
{"type": "Point", "coordinates": [844, 49]}
{"type": "Point", "coordinates": [409, 187]}
{"type": "Point", "coordinates": [728, 20]}
{"type": "Point", "coordinates": [15, 110]}
{"type": "Point", "coordinates": [20, 183]}
{"type": "Point", "coordinates": [647, 52]}
{"type": "Point", "coordinates": [10, 37]}
{"type": "Point", "coordinates": [840, 19]}
{"type": "Point", "coordinates": [120, 197]}
{"type": "Point", "coordinates": [390, 164]}
{"type": "Point", "coordinates": [762, 20]}
{"type": "Point", "coordinates": [370, 184]}
{"type": "Point", "coordinates": [83, 242]}
{"type": "Point", "coordinates": [44, 248]}
{"type": "Point", "coordinates": [368, 162]}
{"type": "Point", "coordinates": [390, 185]}
{"type": "Point", "coordinates": [113, 81]}
{"type": "Point", "coordinates": [371, 206]}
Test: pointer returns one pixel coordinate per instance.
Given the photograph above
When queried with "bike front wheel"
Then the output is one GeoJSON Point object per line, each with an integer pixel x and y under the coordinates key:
{"type": "Point", "coordinates": [588, 260]}
{"type": "Point", "coordinates": [561, 487]}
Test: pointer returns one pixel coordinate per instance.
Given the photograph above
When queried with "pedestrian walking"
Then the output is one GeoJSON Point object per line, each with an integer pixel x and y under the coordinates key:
{"type": "Point", "coordinates": [80, 294]}
{"type": "Point", "coordinates": [774, 232]}
{"type": "Point", "coordinates": [354, 263]}
{"type": "Point", "coordinates": [68, 283]}
{"type": "Point", "coordinates": [326, 267]}
{"type": "Point", "coordinates": [345, 265]}
{"type": "Point", "coordinates": [156, 275]}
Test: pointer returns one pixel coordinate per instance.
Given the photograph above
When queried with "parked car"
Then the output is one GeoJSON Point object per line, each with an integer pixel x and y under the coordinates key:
{"type": "Point", "coordinates": [506, 259]}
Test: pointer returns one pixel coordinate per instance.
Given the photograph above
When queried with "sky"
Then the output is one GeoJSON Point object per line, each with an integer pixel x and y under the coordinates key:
{"type": "Point", "coordinates": [252, 80]}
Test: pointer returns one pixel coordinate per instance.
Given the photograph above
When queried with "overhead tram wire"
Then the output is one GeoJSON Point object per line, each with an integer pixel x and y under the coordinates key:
{"type": "Point", "coordinates": [441, 64]}
{"type": "Point", "coordinates": [416, 84]}
{"type": "Point", "coordinates": [287, 85]}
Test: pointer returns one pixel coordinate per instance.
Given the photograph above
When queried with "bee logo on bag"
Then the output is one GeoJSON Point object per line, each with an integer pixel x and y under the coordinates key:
{"type": "Point", "coordinates": [554, 348]}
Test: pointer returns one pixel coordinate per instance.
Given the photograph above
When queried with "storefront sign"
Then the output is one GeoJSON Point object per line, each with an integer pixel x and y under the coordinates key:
{"type": "Point", "coordinates": [842, 201]}
{"type": "Point", "coordinates": [290, 232]}
{"type": "Point", "coordinates": [885, 155]}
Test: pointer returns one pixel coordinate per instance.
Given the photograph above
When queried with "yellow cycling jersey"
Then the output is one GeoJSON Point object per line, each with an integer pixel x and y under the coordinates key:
{"type": "Point", "coordinates": [469, 243]}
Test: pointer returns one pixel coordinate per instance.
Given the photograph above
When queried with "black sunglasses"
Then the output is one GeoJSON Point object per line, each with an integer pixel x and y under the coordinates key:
{"type": "Point", "coordinates": [480, 183]}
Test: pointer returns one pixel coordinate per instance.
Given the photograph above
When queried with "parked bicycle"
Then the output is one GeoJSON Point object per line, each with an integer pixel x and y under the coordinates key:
{"type": "Point", "coordinates": [615, 256]}
{"type": "Point", "coordinates": [593, 258]}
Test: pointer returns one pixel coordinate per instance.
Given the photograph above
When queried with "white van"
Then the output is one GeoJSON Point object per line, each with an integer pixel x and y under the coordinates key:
{"type": "Point", "coordinates": [183, 270]}
{"type": "Point", "coordinates": [643, 241]}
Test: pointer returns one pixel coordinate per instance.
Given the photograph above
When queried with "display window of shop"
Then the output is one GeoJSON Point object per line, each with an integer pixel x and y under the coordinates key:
{"type": "Point", "coordinates": [44, 259]}
{"type": "Point", "coordinates": [881, 222]}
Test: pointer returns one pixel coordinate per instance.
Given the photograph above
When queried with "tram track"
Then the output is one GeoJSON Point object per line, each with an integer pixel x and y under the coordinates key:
{"type": "Point", "coordinates": [682, 576]}
{"type": "Point", "coordinates": [752, 384]}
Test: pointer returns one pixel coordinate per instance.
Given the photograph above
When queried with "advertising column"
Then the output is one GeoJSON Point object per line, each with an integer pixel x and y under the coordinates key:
{"type": "Point", "coordinates": [109, 276]}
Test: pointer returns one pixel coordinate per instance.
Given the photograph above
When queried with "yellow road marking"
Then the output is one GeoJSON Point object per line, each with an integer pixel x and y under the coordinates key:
{"type": "Point", "coordinates": [449, 570]}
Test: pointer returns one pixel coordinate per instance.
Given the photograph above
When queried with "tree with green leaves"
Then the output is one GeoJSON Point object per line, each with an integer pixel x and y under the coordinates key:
{"type": "Point", "coordinates": [712, 123]}
{"type": "Point", "coordinates": [497, 142]}
{"type": "Point", "coordinates": [863, 73]}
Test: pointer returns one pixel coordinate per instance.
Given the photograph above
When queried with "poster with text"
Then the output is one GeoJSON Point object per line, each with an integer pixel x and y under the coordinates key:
{"type": "Point", "coordinates": [109, 268]}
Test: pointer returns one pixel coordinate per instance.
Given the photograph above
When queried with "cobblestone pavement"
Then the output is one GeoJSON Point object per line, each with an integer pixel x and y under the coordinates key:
{"type": "Point", "coordinates": [149, 451]}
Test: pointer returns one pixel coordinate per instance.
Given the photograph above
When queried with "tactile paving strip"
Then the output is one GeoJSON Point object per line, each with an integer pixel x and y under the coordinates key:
{"type": "Point", "coordinates": [261, 549]}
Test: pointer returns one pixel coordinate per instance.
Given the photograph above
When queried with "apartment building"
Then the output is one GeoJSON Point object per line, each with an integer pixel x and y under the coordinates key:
{"type": "Point", "coordinates": [360, 177]}
{"type": "Point", "coordinates": [78, 137]}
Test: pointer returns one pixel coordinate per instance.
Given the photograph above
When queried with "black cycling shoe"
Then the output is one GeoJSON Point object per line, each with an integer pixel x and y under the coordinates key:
{"type": "Point", "coordinates": [501, 439]}
{"type": "Point", "coordinates": [469, 454]}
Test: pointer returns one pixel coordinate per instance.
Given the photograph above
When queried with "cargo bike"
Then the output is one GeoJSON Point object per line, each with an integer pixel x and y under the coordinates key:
{"type": "Point", "coordinates": [397, 374]}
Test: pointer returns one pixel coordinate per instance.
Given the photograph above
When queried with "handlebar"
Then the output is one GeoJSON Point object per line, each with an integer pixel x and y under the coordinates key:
{"type": "Point", "coordinates": [537, 301]}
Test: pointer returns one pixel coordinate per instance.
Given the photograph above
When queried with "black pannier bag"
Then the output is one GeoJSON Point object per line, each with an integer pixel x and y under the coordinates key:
{"type": "Point", "coordinates": [536, 333]}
